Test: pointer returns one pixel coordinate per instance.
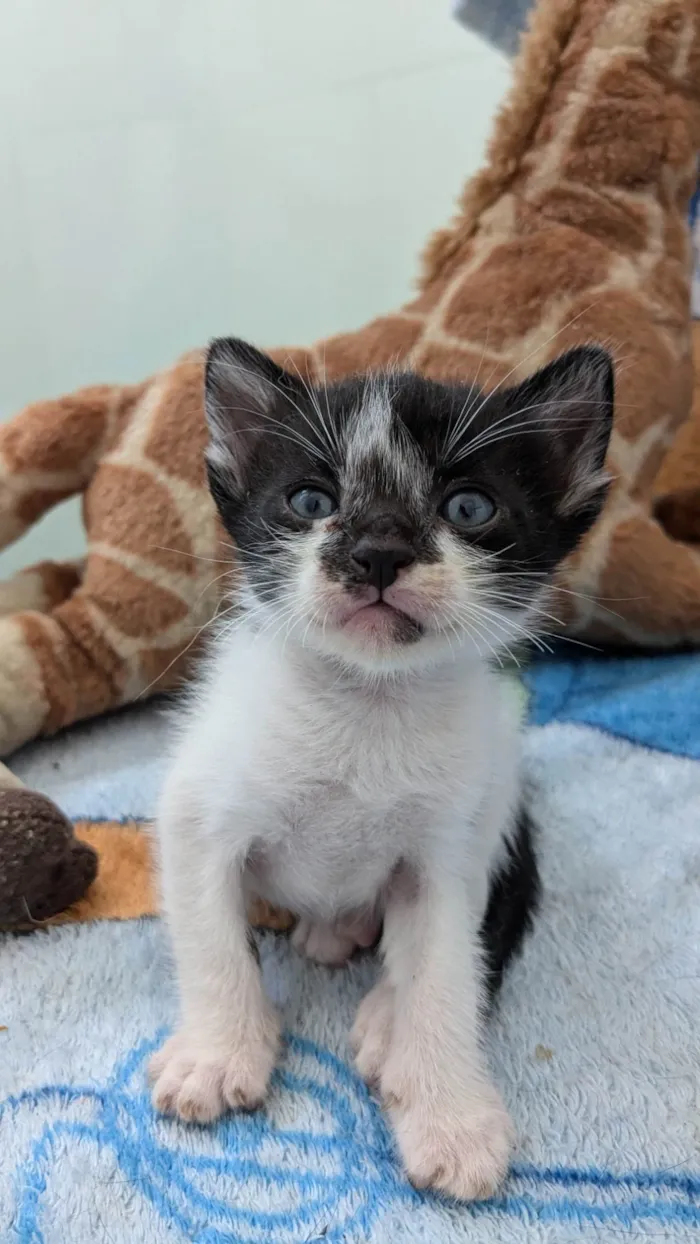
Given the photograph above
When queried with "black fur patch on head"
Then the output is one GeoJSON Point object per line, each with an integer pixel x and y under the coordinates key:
{"type": "Point", "coordinates": [391, 450]}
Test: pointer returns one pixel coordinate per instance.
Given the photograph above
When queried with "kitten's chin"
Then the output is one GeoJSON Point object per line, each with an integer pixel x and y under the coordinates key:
{"type": "Point", "coordinates": [380, 624]}
{"type": "Point", "coordinates": [379, 641]}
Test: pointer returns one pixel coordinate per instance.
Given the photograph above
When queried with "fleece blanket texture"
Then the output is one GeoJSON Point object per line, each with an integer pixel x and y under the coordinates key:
{"type": "Point", "coordinates": [595, 1043]}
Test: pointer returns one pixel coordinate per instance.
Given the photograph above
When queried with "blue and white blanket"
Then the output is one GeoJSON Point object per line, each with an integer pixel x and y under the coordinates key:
{"type": "Point", "coordinates": [596, 1044]}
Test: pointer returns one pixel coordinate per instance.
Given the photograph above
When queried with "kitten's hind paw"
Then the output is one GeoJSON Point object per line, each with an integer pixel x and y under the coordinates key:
{"type": "Point", "coordinates": [334, 944]}
{"type": "Point", "coordinates": [323, 943]}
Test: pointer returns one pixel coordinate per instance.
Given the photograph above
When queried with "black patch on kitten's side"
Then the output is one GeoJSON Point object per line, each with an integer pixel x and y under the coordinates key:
{"type": "Point", "coordinates": [514, 895]}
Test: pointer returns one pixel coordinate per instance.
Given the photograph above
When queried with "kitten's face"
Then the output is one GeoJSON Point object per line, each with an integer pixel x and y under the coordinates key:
{"type": "Point", "coordinates": [386, 519]}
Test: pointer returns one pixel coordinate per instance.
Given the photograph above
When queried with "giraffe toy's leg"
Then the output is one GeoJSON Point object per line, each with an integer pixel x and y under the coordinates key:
{"type": "Point", "coordinates": [49, 451]}
{"type": "Point", "coordinates": [114, 639]}
{"type": "Point", "coordinates": [23, 703]}
{"type": "Point", "coordinates": [645, 591]}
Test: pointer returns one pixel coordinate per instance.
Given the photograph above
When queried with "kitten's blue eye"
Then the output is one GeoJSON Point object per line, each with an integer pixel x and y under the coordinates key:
{"type": "Point", "coordinates": [313, 504]}
{"type": "Point", "coordinates": [468, 509]}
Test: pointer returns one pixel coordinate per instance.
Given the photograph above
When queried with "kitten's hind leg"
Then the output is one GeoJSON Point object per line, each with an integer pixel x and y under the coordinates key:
{"type": "Point", "coordinates": [450, 1123]}
{"type": "Point", "coordinates": [514, 895]}
{"type": "Point", "coordinates": [333, 944]}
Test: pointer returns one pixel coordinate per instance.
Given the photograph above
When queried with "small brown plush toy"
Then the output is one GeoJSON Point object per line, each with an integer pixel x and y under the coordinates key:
{"type": "Point", "coordinates": [43, 866]}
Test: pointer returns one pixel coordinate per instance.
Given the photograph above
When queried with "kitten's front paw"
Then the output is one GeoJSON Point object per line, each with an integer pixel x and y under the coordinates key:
{"type": "Point", "coordinates": [462, 1149]}
{"type": "Point", "coordinates": [198, 1081]}
{"type": "Point", "coordinates": [371, 1033]}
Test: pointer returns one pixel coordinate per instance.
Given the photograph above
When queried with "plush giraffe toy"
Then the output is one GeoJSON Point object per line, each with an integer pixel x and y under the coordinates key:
{"type": "Point", "coordinates": [575, 231]}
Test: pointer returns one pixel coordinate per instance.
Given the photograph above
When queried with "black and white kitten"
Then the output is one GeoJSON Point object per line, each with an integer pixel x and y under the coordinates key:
{"type": "Point", "coordinates": [351, 750]}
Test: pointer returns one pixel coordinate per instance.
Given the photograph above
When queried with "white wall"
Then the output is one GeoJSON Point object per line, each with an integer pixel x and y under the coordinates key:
{"type": "Point", "coordinates": [173, 169]}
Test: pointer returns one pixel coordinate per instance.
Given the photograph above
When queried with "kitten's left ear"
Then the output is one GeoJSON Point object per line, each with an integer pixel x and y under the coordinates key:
{"type": "Point", "coordinates": [242, 387]}
{"type": "Point", "coordinates": [571, 402]}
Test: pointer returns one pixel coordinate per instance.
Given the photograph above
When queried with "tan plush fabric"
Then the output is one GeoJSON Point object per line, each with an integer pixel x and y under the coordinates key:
{"type": "Point", "coordinates": [574, 232]}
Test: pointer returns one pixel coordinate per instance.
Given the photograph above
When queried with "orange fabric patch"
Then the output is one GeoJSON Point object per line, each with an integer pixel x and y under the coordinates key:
{"type": "Point", "coordinates": [125, 887]}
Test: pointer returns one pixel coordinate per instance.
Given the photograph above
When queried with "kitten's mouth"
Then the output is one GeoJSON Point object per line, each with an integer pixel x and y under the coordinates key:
{"type": "Point", "coordinates": [382, 621]}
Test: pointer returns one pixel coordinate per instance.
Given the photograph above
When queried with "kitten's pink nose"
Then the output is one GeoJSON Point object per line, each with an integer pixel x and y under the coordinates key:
{"type": "Point", "coordinates": [379, 564]}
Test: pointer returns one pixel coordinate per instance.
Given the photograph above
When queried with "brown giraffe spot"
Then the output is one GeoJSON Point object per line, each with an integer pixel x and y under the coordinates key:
{"type": "Point", "coordinates": [650, 382]}
{"type": "Point", "coordinates": [81, 673]}
{"type": "Point", "coordinates": [679, 514]}
{"type": "Point", "coordinates": [512, 289]}
{"type": "Point", "coordinates": [134, 605]}
{"type": "Point", "coordinates": [164, 668]}
{"type": "Point", "coordinates": [129, 509]}
{"type": "Point", "coordinates": [58, 581]}
{"type": "Point", "coordinates": [653, 577]}
{"type": "Point", "coordinates": [680, 468]}
{"type": "Point", "coordinates": [666, 26]}
{"type": "Point", "coordinates": [622, 136]}
{"type": "Point", "coordinates": [63, 435]}
{"type": "Point", "coordinates": [621, 224]}
{"type": "Point", "coordinates": [382, 343]}
{"type": "Point", "coordinates": [178, 436]}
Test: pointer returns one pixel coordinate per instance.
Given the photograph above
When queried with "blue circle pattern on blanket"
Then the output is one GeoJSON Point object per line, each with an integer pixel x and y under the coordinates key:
{"type": "Point", "coordinates": [330, 1181]}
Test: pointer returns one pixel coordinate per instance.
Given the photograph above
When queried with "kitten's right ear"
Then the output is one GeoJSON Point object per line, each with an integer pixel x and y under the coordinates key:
{"type": "Point", "coordinates": [242, 386]}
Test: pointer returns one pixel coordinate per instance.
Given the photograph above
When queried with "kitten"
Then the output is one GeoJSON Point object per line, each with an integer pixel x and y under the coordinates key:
{"type": "Point", "coordinates": [351, 750]}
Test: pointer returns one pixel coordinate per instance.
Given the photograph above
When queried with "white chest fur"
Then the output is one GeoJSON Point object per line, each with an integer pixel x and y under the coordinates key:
{"type": "Point", "coordinates": [336, 781]}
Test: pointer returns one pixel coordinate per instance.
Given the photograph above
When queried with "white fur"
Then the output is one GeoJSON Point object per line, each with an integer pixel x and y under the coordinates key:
{"type": "Point", "coordinates": [375, 436]}
{"type": "Point", "coordinates": [347, 797]}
